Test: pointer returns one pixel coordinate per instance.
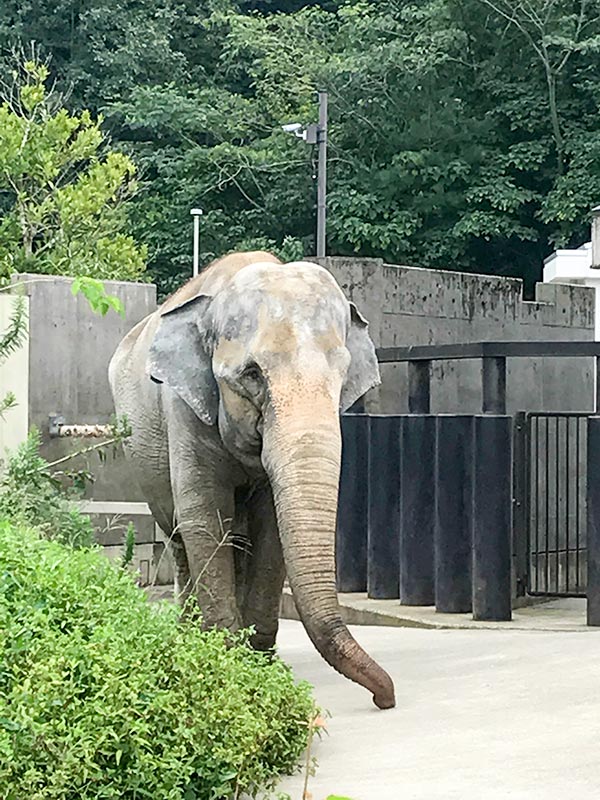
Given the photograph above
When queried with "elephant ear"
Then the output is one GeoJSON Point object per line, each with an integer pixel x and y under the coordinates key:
{"type": "Point", "coordinates": [363, 372]}
{"type": "Point", "coordinates": [178, 357]}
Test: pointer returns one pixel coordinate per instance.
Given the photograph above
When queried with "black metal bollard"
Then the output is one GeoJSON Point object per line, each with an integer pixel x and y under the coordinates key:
{"type": "Point", "coordinates": [352, 517]}
{"type": "Point", "coordinates": [384, 503]}
{"type": "Point", "coordinates": [492, 518]}
{"type": "Point", "coordinates": [593, 521]}
{"type": "Point", "coordinates": [417, 510]}
{"type": "Point", "coordinates": [453, 511]}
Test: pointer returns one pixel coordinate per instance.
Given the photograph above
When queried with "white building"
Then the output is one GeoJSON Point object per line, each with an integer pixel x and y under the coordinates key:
{"type": "Point", "coordinates": [575, 266]}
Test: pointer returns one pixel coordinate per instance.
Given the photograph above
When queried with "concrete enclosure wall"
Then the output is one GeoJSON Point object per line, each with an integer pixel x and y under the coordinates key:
{"type": "Point", "coordinates": [69, 350]}
{"type": "Point", "coordinates": [410, 306]}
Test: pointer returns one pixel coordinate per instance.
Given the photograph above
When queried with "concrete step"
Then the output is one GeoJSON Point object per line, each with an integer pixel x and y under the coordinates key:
{"type": "Point", "coordinates": [563, 614]}
{"type": "Point", "coordinates": [357, 609]}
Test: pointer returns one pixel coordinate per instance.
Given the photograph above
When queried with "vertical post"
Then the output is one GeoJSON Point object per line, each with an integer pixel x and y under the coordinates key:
{"type": "Point", "coordinates": [352, 518]}
{"type": "Point", "coordinates": [453, 514]}
{"type": "Point", "coordinates": [322, 177]}
{"type": "Point", "coordinates": [593, 522]}
{"type": "Point", "coordinates": [417, 511]}
{"type": "Point", "coordinates": [384, 507]}
{"type": "Point", "coordinates": [493, 376]}
{"type": "Point", "coordinates": [492, 518]}
{"type": "Point", "coordinates": [596, 265]}
{"type": "Point", "coordinates": [419, 387]}
{"type": "Point", "coordinates": [596, 237]}
{"type": "Point", "coordinates": [196, 213]}
{"type": "Point", "coordinates": [521, 478]}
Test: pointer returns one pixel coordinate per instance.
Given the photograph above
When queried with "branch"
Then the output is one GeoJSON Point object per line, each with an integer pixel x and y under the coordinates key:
{"type": "Point", "coordinates": [514, 20]}
{"type": "Point", "coordinates": [15, 334]}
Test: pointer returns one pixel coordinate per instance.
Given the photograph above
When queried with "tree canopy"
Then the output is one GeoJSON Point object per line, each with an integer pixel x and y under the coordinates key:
{"type": "Point", "coordinates": [62, 194]}
{"type": "Point", "coordinates": [464, 134]}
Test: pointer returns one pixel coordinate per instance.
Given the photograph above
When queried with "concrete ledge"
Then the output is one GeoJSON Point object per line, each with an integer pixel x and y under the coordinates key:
{"type": "Point", "coordinates": [565, 615]}
{"type": "Point", "coordinates": [357, 609]}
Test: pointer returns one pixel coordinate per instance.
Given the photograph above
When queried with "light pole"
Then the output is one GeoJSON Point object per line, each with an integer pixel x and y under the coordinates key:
{"type": "Point", "coordinates": [322, 176]}
{"type": "Point", "coordinates": [196, 214]}
{"type": "Point", "coordinates": [317, 134]}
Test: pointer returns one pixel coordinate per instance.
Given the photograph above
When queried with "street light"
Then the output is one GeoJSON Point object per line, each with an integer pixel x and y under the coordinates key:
{"type": "Point", "coordinates": [196, 214]}
{"type": "Point", "coordinates": [317, 134]}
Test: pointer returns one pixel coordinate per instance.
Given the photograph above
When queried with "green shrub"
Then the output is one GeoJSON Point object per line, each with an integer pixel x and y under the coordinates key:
{"type": "Point", "coordinates": [105, 695]}
{"type": "Point", "coordinates": [32, 496]}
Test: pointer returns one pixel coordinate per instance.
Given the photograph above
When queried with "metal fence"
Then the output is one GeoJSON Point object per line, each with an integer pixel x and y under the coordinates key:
{"type": "Point", "coordinates": [556, 508]}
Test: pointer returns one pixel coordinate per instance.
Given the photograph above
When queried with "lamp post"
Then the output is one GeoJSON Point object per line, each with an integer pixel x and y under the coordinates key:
{"type": "Point", "coordinates": [316, 133]}
{"type": "Point", "coordinates": [196, 214]}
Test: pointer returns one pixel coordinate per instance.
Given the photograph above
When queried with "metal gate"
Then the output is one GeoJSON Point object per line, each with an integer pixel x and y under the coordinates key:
{"type": "Point", "coordinates": [556, 504]}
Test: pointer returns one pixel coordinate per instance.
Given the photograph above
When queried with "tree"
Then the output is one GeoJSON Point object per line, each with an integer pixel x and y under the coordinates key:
{"type": "Point", "coordinates": [62, 190]}
{"type": "Point", "coordinates": [554, 31]}
{"type": "Point", "coordinates": [463, 133]}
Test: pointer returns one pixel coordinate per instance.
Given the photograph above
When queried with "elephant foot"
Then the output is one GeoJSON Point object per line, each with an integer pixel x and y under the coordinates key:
{"type": "Point", "coordinates": [264, 642]}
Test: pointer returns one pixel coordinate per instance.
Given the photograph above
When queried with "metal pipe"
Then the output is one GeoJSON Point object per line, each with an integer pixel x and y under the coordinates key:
{"type": "Point", "coordinates": [58, 428]}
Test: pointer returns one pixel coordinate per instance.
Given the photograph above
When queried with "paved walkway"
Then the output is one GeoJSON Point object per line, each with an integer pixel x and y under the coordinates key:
{"type": "Point", "coordinates": [481, 715]}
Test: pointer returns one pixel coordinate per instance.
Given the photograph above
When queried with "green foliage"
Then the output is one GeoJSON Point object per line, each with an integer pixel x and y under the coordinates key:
{"type": "Point", "coordinates": [129, 546]}
{"type": "Point", "coordinates": [62, 191]}
{"type": "Point", "coordinates": [94, 292]}
{"type": "Point", "coordinates": [14, 336]}
{"type": "Point", "coordinates": [10, 340]}
{"type": "Point", "coordinates": [462, 134]}
{"type": "Point", "coordinates": [103, 695]}
{"type": "Point", "coordinates": [32, 495]}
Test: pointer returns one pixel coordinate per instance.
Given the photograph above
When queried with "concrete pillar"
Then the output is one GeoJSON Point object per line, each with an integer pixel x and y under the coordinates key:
{"type": "Point", "coordinates": [384, 507]}
{"type": "Point", "coordinates": [352, 520]}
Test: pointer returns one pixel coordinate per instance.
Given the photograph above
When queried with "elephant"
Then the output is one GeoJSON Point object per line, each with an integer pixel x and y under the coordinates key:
{"type": "Point", "coordinates": [233, 390]}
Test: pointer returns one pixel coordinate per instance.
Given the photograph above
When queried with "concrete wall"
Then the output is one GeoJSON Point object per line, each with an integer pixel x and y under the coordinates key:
{"type": "Point", "coordinates": [70, 348]}
{"type": "Point", "coordinates": [69, 351]}
{"type": "Point", "coordinates": [14, 372]}
{"type": "Point", "coordinates": [408, 306]}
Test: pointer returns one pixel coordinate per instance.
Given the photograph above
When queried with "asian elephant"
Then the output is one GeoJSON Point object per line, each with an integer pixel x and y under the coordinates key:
{"type": "Point", "coordinates": [233, 390]}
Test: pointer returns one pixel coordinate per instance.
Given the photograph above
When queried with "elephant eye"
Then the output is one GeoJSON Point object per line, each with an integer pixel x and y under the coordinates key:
{"type": "Point", "coordinates": [251, 380]}
{"type": "Point", "coordinates": [252, 372]}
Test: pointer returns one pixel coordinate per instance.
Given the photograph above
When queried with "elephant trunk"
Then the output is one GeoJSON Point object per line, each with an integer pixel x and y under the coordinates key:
{"type": "Point", "coordinates": [302, 459]}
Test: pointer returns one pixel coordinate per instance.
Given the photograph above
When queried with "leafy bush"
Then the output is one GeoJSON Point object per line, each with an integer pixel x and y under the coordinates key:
{"type": "Point", "coordinates": [105, 695]}
{"type": "Point", "coordinates": [31, 495]}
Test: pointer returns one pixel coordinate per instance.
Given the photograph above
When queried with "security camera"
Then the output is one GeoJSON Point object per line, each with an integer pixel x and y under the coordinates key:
{"type": "Point", "coordinates": [292, 127]}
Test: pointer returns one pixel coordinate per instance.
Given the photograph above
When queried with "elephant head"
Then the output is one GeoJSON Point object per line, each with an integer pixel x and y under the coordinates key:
{"type": "Point", "coordinates": [271, 358]}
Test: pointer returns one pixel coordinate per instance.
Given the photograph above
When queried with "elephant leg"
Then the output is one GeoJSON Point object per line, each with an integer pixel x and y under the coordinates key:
{"type": "Point", "coordinates": [204, 509]}
{"type": "Point", "coordinates": [264, 571]}
{"type": "Point", "coordinates": [183, 581]}
{"type": "Point", "coordinates": [204, 526]}
{"type": "Point", "coordinates": [202, 482]}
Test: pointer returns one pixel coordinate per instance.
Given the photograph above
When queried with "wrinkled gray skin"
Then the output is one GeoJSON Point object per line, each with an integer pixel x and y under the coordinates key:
{"type": "Point", "coordinates": [233, 389]}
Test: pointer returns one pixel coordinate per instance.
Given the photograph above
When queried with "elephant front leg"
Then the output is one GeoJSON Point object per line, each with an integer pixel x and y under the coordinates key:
{"type": "Point", "coordinates": [264, 571]}
{"type": "Point", "coordinates": [205, 530]}
{"type": "Point", "coordinates": [183, 582]}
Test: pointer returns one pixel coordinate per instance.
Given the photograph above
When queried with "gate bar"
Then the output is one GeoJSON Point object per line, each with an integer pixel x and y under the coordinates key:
{"type": "Point", "coordinates": [593, 521]}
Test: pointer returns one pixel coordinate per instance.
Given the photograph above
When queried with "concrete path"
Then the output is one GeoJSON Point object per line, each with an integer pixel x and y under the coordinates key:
{"type": "Point", "coordinates": [481, 715]}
